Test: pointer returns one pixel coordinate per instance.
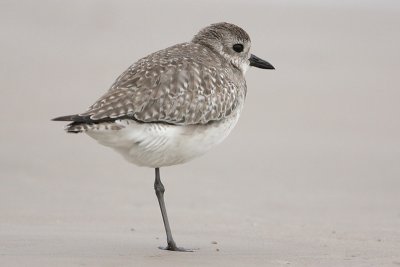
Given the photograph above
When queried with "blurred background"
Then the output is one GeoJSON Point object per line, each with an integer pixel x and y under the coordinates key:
{"type": "Point", "coordinates": [310, 176]}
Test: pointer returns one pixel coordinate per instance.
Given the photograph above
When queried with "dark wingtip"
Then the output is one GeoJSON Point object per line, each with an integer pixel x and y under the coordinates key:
{"type": "Point", "coordinates": [64, 118]}
{"type": "Point", "coordinates": [87, 118]}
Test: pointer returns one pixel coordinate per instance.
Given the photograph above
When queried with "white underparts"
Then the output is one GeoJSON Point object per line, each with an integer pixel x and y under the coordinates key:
{"type": "Point", "coordinates": [160, 144]}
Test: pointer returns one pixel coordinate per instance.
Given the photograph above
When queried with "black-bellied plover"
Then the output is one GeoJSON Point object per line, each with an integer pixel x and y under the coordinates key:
{"type": "Point", "coordinates": [175, 104]}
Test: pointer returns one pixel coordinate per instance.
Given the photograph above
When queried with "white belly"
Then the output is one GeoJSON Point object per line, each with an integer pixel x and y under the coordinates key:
{"type": "Point", "coordinates": [158, 145]}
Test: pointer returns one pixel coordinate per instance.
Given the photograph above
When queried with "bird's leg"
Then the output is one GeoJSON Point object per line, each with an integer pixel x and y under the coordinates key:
{"type": "Point", "coordinates": [159, 188]}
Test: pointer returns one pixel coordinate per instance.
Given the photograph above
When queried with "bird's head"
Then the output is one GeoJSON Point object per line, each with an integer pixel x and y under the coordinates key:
{"type": "Point", "coordinates": [231, 42]}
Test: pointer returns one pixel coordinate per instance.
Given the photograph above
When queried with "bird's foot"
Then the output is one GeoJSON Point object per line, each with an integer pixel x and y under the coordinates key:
{"type": "Point", "coordinates": [172, 247]}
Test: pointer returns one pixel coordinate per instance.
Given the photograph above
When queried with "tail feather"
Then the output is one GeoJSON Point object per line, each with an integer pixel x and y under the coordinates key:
{"type": "Point", "coordinates": [76, 125]}
{"type": "Point", "coordinates": [81, 124]}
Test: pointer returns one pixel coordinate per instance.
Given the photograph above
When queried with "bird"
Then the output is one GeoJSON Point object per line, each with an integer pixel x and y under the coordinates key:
{"type": "Point", "coordinates": [174, 104]}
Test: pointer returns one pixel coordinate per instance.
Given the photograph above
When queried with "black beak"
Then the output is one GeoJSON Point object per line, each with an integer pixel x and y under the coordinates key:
{"type": "Point", "coordinates": [260, 63]}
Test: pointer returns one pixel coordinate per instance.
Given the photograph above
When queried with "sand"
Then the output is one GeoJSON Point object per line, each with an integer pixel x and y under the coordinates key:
{"type": "Point", "coordinates": [309, 177]}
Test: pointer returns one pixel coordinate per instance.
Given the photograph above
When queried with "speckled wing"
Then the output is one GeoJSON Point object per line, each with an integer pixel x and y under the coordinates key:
{"type": "Point", "coordinates": [177, 85]}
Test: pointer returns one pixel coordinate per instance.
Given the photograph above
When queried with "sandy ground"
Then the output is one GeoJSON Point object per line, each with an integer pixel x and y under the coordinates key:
{"type": "Point", "coordinates": [309, 177]}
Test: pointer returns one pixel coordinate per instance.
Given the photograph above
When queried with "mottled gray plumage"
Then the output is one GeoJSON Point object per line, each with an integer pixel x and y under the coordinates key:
{"type": "Point", "coordinates": [184, 84]}
{"type": "Point", "coordinates": [188, 83]}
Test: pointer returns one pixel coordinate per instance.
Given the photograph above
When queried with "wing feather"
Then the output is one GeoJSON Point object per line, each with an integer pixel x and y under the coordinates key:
{"type": "Point", "coordinates": [177, 85]}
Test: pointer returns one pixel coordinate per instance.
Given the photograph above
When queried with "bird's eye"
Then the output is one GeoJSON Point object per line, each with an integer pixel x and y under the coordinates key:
{"type": "Point", "coordinates": [238, 47]}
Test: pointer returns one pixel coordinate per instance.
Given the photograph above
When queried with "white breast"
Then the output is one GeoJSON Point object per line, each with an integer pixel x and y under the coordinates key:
{"type": "Point", "coordinates": [158, 144]}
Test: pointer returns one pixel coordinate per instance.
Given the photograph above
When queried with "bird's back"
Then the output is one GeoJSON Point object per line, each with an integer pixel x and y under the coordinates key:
{"type": "Point", "coordinates": [184, 84]}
